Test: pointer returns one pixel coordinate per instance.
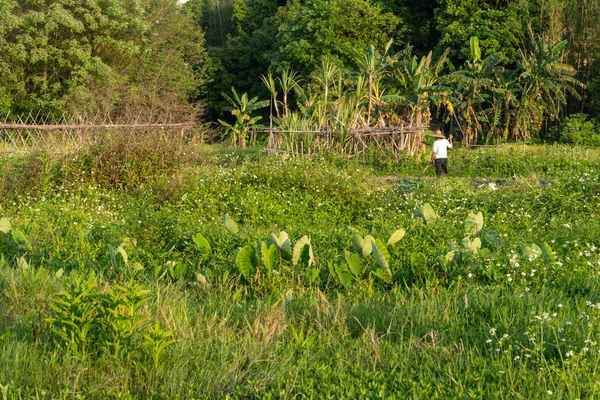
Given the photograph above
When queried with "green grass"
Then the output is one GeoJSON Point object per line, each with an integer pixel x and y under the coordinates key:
{"type": "Point", "coordinates": [499, 323]}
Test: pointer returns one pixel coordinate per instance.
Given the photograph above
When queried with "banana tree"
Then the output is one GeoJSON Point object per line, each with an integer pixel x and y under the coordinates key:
{"type": "Point", "coordinates": [477, 92]}
{"type": "Point", "coordinates": [242, 109]}
{"type": "Point", "coordinates": [417, 84]}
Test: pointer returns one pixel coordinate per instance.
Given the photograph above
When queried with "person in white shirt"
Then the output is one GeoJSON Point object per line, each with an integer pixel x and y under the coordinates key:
{"type": "Point", "coordinates": [440, 153]}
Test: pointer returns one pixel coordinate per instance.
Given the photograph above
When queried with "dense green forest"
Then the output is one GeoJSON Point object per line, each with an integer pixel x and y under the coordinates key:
{"type": "Point", "coordinates": [492, 69]}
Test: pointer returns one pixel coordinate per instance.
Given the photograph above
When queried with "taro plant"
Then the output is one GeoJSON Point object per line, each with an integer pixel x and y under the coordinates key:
{"type": "Point", "coordinates": [267, 259]}
{"type": "Point", "coordinates": [469, 245]}
{"type": "Point", "coordinates": [370, 257]}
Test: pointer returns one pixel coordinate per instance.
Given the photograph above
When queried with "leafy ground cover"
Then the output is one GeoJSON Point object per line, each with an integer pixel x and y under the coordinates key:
{"type": "Point", "coordinates": [242, 275]}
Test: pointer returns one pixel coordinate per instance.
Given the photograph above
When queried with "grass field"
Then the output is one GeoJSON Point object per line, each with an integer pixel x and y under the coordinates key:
{"type": "Point", "coordinates": [126, 284]}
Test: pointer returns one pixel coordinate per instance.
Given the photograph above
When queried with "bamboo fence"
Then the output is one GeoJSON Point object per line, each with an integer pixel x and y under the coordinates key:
{"type": "Point", "coordinates": [352, 142]}
{"type": "Point", "coordinates": [67, 134]}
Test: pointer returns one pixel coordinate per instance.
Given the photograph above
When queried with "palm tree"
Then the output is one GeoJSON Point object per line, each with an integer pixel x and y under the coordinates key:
{"type": "Point", "coordinates": [288, 81]}
{"type": "Point", "coordinates": [372, 66]}
{"type": "Point", "coordinates": [271, 86]}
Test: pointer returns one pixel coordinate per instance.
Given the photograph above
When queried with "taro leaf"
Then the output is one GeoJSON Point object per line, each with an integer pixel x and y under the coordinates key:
{"type": "Point", "coordinates": [343, 274]}
{"type": "Point", "coordinates": [384, 275]}
{"type": "Point", "coordinates": [426, 212]}
{"type": "Point", "coordinates": [547, 254]}
{"type": "Point", "coordinates": [383, 249]}
{"type": "Point", "coordinates": [364, 247]}
{"type": "Point", "coordinates": [176, 269]}
{"type": "Point", "coordinates": [368, 246]}
{"type": "Point", "coordinates": [306, 255]}
{"type": "Point", "coordinates": [382, 257]}
{"type": "Point", "coordinates": [245, 260]}
{"type": "Point", "coordinates": [283, 244]}
{"type": "Point", "coordinates": [312, 273]}
{"type": "Point", "coordinates": [137, 267]}
{"type": "Point", "coordinates": [396, 237]}
{"type": "Point", "coordinates": [473, 223]}
{"type": "Point", "coordinates": [471, 245]}
{"type": "Point", "coordinates": [4, 225]}
{"type": "Point", "coordinates": [201, 242]}
{"type": "Point", "coordinates": [22, 263]}
{"type": "Point", "coordinates": [491, 239]}
{"type": "Point", "coordinates": [19, 237]}
{"type": "Point", "coordinates": [531, 251]}
{"type": "Point", "coordinates": [269, 255]}
{"type": "Point", "coordinates": [303, 252]}
{"type": "Point", "coordinates": [475, 245]}
{"type": "Point", "coordinates": [158, 272]}
{"type": "Point", "coordinates": [230, 224]}
{"type": "Point", "coordinates": [121, 256]}
{"type": "Point", "coordinates": [358, 243]}
{"type": "Point", "coordinates": [201, 279]}
{"type": "Point", "coordinates": [354, 262]}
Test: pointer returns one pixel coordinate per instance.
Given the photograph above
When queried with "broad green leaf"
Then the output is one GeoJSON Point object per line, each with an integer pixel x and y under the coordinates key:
{"type": "Point", "coordinates": [382, 257]}
{"type": "Point", "coordinates": [201, 279]}
{"type": "Point", "coordinates": [201, 242]}
{"type": "Point", "coordinates": [302, 252]}
{"type": "Point", "coordinates": [283, 244]}
{"type": "Point", "coordinates": [473, 223]}
{"type": "Point", "coordinates": [384, 274]}
{"type": "Point", "coordinates": [471, 245]}
{"type": "Point", "coordinates": [122, 254]}
{"type": "Point", "coordinates": [176, 269]}
{"type": "Point", "coordinates": [19, 237]}
{"type": "Point", "coordinates": [343, 274]}
{"type": "Point", "coordinates": [531, 251]}
{"type": "Point", "coordinates": [245, 260]}
{"type": "Point", "coordinates": [547, 254]}
{"type": "Point", "coordinates": [450, 256]}
{"type": "Point", "coordinates": [306, 255]}
{"type": "Point", "coordinates": [269, 255]}
{"type": "Point", "coordinates": [490, 239]}
{"type": "Point", "coordinates": [354, 262]}
{"type": "Point", "coordinates": [230, 224]}
{"type": "Point", "coordinates": [382, 248]}
{"type": "Point", "coordinates": [396, 237]}
{"type": "Point", "coordinates": [358, 243]}
{"type": "Point", "coordinates": [58, 274]}
{"type": "Point", "coordinates": [5, 225]}
{"type": "Point", "coordinates": [349, 229]}
{"type": "Point", "coordinates": [426, 212]}
{"type": "Point", "coordinates": [312, 273]}
{"type": "Point", "coordinates": [22, 263]}
{"type": "Point", "coordinates": [158, 271]}
{"type": "Point", "coordinates": [364, 247]}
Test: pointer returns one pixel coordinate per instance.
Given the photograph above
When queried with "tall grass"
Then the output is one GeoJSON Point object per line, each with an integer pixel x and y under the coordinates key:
{"type": "Point", "coordinates": [502, 323]}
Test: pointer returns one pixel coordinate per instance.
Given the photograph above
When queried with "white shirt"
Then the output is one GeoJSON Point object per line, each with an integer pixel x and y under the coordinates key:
{"type": "Point", "coordinates": [440, 148]}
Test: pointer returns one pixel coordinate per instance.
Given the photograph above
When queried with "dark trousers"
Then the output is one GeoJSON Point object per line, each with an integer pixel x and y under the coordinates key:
{"type": "Point", "coordinates": [441, 166]}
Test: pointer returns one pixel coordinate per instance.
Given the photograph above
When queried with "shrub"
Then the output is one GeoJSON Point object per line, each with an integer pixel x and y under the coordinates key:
{"type": "Point", "coordinates": [578, 129]}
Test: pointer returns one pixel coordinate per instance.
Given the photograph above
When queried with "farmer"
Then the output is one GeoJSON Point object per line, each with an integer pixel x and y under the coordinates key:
{"type": "Point", "coordinates": [440, 153]}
